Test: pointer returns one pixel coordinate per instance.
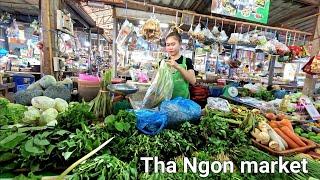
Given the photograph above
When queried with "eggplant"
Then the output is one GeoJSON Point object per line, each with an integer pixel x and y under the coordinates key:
{"type": "Point", "coordinates": [306, 127]}
{"type": "Point", "coordinates": [315, 129]}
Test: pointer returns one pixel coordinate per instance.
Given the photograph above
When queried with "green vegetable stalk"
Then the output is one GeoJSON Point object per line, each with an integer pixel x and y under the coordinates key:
{"type": "Point", "coordinates": [101, 106]}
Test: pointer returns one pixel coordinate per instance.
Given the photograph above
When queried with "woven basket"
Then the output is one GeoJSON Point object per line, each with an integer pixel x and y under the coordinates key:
{"type": "Point", "coordinates": [310, 145]}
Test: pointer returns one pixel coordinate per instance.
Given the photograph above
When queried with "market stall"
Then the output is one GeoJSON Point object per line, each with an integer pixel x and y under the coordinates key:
{"type": "Point", "coordinates": [120, 121]}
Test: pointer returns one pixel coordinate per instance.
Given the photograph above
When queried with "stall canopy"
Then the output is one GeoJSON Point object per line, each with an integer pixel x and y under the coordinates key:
{"type": "Point", "coordinates": [28, 10]}
{"type": "Point", "coordinates": [294, 14]}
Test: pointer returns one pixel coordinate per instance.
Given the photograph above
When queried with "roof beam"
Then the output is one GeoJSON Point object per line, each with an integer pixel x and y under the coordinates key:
{"type": "Point", "coordinates": [292, 15]}
{"type": "Point", "coordinates": [310, 2]}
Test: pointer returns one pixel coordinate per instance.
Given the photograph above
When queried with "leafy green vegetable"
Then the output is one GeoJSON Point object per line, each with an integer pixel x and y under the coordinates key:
{"type": "Point", "coordinates": [263, 94]}
{"type": "Point", "coordinates": [106, 167]}
{"type": "Point", "coordinates": [12, 141]}
{"type": "Point", "coordinates": [3, 102]}
{"type": "Point", "coordinates": [121, 105]}
{"type": "Point", "coordinates": [75, 116]}
{"type": "Point", "coordinates": [11, 113]}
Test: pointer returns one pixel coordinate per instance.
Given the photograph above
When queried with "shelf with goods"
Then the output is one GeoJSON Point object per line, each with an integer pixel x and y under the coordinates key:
{"type": "Point", "coordinates": [219, 132]}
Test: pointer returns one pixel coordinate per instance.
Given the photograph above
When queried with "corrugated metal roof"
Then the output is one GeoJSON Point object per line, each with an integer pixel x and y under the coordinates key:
{"type": "Point", "coordinates": [281, 11]}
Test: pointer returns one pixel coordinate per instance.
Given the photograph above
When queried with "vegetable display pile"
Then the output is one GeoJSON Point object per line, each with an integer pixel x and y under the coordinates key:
{"type": "Point", "coordinates": [309, 131]}
{"type": "Point", "coordinates": [46, 86]}
{"type": "Point", "coordinates": [219, 136]}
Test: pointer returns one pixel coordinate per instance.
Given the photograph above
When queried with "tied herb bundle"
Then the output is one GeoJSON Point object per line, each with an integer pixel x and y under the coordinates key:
{"type": "Point", "coordinates": [101, 105]}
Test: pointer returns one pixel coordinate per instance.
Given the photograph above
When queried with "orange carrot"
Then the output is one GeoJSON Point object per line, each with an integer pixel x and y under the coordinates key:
{"type": "Point", "coordinates": [290, 142]}
{"type": "Point", "coordinates": [286, 130]}
{"type": "Point", "coordinates": [287, 122]}
{"type": "Point", "coordinates": [274, 124]}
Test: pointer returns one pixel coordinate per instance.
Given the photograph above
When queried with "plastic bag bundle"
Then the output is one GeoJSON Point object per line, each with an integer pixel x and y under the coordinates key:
{"type": "Point", "coordinates": [161, 87]}
{"type": "Point", "coordinates": [180, 110]}
{"type": "Point", "coordinates": [151, 122]}
{"type": "Point", "coordinates": [267, 47]}
{"type": "Point", "coordinates": [280, 47]}
{"type": "Point", "coordinates": [124, 32]}
{"type": "Point", "coordinates": [151, 30]}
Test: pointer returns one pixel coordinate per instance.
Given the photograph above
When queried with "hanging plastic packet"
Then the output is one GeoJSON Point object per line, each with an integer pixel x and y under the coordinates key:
{"type": "Point", "coordinates": [281, 49]}
{"type": "Point", "coordinates": [268, 47]}
{"type": "Point", "coordinates": [124, 33]}
{"type": "Point", "coordinates": [209, 38]}
{"type": "Point", "coordinates": [262, 40]}
{"type": "Point", "coordinates": [215, 31]}
{"type": "Point", "coordinates": [234, 38]}
{"type": "Point", "coordinates": [198, 34]}
{"type": "Point", "coordinates": [190, 32]}
{"type": "Point", "coordinates": [254, 39]}
{"type": "Point", "coordinates": [246, 39]}
{"type": "Point", "coordinates": [223, 36]}
{"type": "Point", "coordinates": [241, 37]}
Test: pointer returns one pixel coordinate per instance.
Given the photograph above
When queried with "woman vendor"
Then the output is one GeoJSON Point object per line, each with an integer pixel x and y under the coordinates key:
{"type": "Point", "coordinates": [184, 73]}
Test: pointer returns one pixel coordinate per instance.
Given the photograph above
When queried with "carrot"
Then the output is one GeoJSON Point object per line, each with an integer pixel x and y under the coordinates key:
{"type": "Point", "coordinates": [289, 141]}
{"type": "Point", "coordinates": [287, 122]}
{"type": "Point", "coordinates": [286, 130]}
{"type": "Point", "coordinates": [274, 124]}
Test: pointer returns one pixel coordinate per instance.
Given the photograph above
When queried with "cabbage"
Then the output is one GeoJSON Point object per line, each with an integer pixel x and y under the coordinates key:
{"type": "Point", "coordinates": [47, 81]}
{"type": "Point", "coordinates": [48, 115]}
{"type": "Point", "coordinates": [43, 102]}
{"type": "Point", "coordinates": [31, 116]}
{"type": "Point", "coordinates": [60, 104]}
{"type": "Point", "coordinates": [35, 86]}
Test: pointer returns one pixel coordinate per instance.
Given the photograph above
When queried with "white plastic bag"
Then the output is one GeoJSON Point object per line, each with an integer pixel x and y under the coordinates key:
{"type": "Point", "coordinates": [124, 32]}
{"type": "Point", "coordinates": [219, 104]}
{"type": "Point", "coordinates": [161, 87]}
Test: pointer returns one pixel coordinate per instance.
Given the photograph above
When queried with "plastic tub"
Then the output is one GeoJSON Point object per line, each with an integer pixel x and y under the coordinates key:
{"type": "Point", "coordinates": [215, 91]}
{"type": "Point", "coordinates": [22, 79]}
{"type": "Point", "coordinates": [88, 90]}
{"type": "Point", "coordinates": [86, 77]}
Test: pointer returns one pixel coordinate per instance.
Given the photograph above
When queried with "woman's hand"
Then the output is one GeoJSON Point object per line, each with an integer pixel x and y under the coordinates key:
{"type": "Point", "coordinates": [173, 63]}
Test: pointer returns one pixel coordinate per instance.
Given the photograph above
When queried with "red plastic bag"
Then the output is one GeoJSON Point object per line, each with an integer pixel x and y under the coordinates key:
{"type": "Point", "coordinates": [313, 65]}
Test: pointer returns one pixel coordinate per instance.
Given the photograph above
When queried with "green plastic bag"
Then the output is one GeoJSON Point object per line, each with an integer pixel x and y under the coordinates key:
{"type": "Point", "coordinates": [161, 87]}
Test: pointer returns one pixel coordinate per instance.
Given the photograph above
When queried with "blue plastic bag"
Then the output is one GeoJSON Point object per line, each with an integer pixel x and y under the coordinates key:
{"type": "Point", "coordinates": [151, 122]}
{"type": "Point", "coordinates": [180, 110]}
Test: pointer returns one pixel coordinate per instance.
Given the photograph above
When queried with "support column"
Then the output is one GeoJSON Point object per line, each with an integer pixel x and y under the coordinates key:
{"type": "Point", "coordinates": [310, 81]}
{"type": "Point", "coordinates": [114, 48]}
{"type": "Point", "coordinates": [48, 20]}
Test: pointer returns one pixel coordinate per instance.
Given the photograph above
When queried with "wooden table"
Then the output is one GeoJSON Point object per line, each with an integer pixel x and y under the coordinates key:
{"type": "Point", "coordinates": [4, 90]}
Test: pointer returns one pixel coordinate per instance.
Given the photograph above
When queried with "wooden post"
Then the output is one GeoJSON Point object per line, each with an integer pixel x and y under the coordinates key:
{"type": "Point", "coordinates": [310, 81]}
{"type": "Point", "coordinates": [271, 69]}
{"type": "Point", "coordinates": [114, 49]}
{"type": "Point", "coordinates": [48, 21]}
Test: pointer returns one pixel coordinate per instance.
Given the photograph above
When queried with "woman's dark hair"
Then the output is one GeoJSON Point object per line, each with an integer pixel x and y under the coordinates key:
{"type": "Point", "coordinates": [176, 35]}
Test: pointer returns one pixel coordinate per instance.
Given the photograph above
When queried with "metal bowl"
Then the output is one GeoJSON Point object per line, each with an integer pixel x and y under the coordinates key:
{"type": "Point", "coordinates": [122, 88]}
